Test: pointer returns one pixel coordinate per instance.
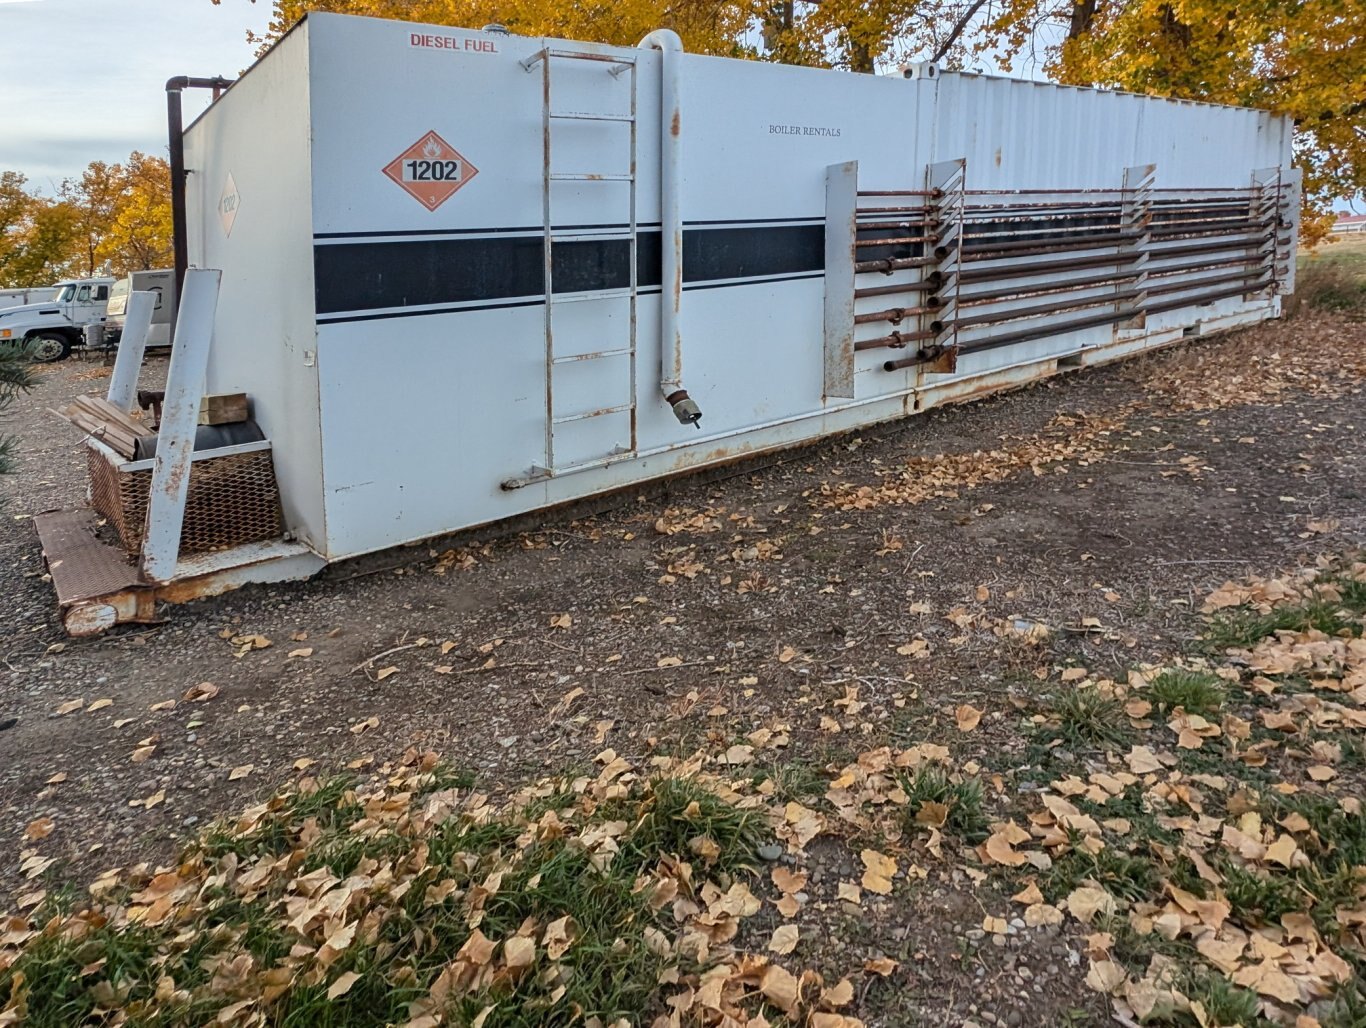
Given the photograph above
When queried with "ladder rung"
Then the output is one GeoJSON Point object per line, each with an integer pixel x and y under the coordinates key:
{"type": "Point", "coordinates": [579, 55]}
{"type": "Point", "coordinates": [586, 116]}
{"type": "Point", "coordinates": [577, 177]}
{"type": "Point", "coordinates": [597, 355]}
{"type": "Point", "coordinates": [575, 55]}
{"type": "Point", "coordinates": [585, 237]}
{"type": "Point", "coordinates": [591, 414]}
{"type": "Point", "coordinates": [601, 294]}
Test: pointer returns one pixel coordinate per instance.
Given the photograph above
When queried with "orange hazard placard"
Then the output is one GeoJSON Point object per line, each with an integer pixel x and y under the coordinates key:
{"type": "Point", "coordinates": [431, 170]}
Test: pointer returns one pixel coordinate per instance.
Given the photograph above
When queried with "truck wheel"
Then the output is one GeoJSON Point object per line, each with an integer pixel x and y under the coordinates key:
{"type": "Point", "coordinates": [49, 347]}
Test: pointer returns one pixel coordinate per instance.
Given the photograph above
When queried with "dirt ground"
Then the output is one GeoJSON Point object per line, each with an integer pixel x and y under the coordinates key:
{"type": "Point", "coordinates": [1104, 505]}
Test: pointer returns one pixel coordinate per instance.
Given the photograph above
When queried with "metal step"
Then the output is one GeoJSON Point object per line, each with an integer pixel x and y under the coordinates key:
{"type": "Point", "coordinates": [581, 177]}
{"type": "Point", "coordinates": [565, 419]}
{"type": "Point", "coordinates": [602, 294]}
{"type": "Point", "coordinates": [596, 355]}
{"type": "Point", "coordinates": [585, 116]}
{"type": "Point", "coordinates": [575, 55]}
{"type": "Point", "coordinates": [585, 237]}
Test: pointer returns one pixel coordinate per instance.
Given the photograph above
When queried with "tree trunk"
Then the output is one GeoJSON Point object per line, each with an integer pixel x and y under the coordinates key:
{"type": "Point", "coordinates": [1083, 15]}
{"type": "Point", "coordinates": [860, 57]}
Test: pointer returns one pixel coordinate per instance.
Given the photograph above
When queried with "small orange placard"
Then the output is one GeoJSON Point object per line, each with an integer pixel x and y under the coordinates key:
{"type": "Point", "coordinates": [431, 170]}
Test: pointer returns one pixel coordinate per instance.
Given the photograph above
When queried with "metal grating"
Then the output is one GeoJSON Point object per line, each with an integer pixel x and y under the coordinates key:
{"type": "Point", "coordinates": [82, 567]}
{"type": "Point", "coordinates": [232, 500]}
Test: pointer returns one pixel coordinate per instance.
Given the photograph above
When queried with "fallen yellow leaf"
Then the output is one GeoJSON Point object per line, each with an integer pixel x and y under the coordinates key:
{"type": "Point", "coordinates": [784, 939]}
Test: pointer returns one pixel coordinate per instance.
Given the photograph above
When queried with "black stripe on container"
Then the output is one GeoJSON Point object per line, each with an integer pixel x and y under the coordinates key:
{"type": "Point", "coordinates": [421, 272]}
{"type": "Point", "coordinates": [420, 312]}
{"type": "Point", "coordinates": [504, 229]}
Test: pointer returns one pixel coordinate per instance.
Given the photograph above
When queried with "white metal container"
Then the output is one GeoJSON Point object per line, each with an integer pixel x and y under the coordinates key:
{"type": "Point", "coordinates": [386, 200]}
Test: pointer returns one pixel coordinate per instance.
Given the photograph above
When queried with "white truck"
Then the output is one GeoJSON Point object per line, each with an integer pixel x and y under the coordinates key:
{"type": "Point", "coordinates": [162, 283]}
{"type": "Point", "coordinates": [50, 329]}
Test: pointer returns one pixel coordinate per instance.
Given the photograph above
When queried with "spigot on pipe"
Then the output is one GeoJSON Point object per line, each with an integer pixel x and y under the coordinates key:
{"type": "Point", "coordinates": [685, 410]}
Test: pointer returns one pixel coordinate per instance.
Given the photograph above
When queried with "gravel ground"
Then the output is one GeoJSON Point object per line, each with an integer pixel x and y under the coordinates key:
{"type": "Point", "coordinates": [1096, 504]}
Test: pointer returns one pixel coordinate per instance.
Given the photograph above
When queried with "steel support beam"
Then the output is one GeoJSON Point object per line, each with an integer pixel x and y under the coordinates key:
{"type": "Point", "coordinates": [137, 322]}
{"type": "Point", "coordinates": [179, 422]}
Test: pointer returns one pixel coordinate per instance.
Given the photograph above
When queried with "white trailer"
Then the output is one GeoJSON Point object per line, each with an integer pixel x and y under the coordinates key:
{"type": "Point", "coordinates": [466, 275]}
{"type": "Point", "coordinates": [161, 284]}
{"type": "Point", "coordinates": [26, 295]}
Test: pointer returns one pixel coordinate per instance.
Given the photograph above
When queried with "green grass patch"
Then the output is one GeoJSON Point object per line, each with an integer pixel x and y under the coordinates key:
{"type": "Point", "coordinates": [1086, 718]}
{"type": "Point", "coordinates": [1242, 628]}
{"type": "Point", "coordinates": [681, 816]}
{"type": "Point", "coordinates": [1258, 897]}
{"type": "Point", "coordinates": [1334, 279]}
{"type": "Point", "coordinates": [1224, 1002]}
{"type": "Point", "coordinates": [1120, 874]}
{"type": "Point", "coordinates": [1196, 692]}
{"type": "Point", "coordinates": [961, 799]}
{"type": "Point", "coordinates": [800, 780]}
{"type": "Point", "coordinates": [341, 907]}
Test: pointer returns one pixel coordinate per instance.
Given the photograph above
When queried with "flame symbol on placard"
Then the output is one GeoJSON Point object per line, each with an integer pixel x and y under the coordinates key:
{"type": "Point", "coordinates": [432, 148]}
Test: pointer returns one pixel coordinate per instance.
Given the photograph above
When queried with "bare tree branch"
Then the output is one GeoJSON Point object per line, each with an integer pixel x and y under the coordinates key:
{"type": "Point", "coordinates": [957, 30]}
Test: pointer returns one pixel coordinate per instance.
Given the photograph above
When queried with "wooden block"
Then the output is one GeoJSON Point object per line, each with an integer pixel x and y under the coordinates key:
{"type": "Point", "coordinates": [111, 435]}
{"type": "Point", "coordinates": [223, 409]}
{"type": "Point", "coordinates": [102, 409]}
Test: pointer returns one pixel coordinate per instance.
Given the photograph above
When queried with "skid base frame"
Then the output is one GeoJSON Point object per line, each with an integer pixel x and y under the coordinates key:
{"type": "Point", "coordinates": [98, 586]}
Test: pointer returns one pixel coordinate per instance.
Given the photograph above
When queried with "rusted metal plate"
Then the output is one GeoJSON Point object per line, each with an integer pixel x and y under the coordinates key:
{"type": "Point", "coordinates": [82, 566]}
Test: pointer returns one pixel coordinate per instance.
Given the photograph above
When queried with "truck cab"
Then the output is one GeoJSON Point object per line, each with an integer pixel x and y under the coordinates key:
{"type": "Point", "coordinates": [50, 329]}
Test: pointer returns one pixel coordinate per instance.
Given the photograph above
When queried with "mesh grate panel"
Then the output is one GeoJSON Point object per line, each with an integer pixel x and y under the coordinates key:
{"type": "Point", "coordinates": [232, 500]}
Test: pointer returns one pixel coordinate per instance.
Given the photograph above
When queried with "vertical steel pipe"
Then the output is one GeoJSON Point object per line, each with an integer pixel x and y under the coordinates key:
{"type": "Point", "coordinates": [666, 41]}
{"type": "Point", "coordinates": [175, 132]}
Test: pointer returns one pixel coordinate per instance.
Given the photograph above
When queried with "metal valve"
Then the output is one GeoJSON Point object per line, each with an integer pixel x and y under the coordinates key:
{"type": "Point", "coordinates": [685, 410]}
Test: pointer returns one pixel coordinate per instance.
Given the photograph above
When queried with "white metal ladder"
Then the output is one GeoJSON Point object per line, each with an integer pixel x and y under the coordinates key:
{"type": "Point", "coordinates": [558, 421]}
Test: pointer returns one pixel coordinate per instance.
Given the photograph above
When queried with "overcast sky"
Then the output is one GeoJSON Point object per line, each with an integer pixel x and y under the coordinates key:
{"type": "Point", "coordinates": [83, 80]}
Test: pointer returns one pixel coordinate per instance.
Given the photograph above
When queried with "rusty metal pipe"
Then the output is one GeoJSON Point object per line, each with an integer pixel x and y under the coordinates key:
{"type": "Point", "coordinates": [1041, 309]}
{"type": "Point", "coordinates": [1046, 205]}
{"type": "Point", "coordinates": [893, 341]}
{"type": "Point", "coordinates": [1090, 321]}
{"type": "Point", "coordinates": [897, 314]}
{"type": "Point", "coordinates": [1044, 267]}
{"type": "Point", "coordinates": [1176, 269]}
{"type": "Point", "coordinates": [893, 210]}
{"type": "Point", "coordinates": [909, 225]}
{"type": "Point", "coordinates": [891, 264]}
{"type": "Point", "coordinates": [1207, 298]}
{"type": "Point", "coordinates": [1093, 320]}
{"type": "Point", "coordinates": [1177, 287]}
{"type": "Point", "coordinates": [175, 131]}
{"type": "Point", "coordinates": [895, 240]}
{"type": "Point", "coordinates": [1025, 247]}
{"type": "Point", "coordinates": [1240, 221]}
{"type": "Point", "coordinates": [1040, 192]}
{"type": "Point", "coordinates": [971, 299]}
{"type": "Point", "coordinates": [1241, 243]}
{"type": "Point", "coordinates": [930, 282]}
